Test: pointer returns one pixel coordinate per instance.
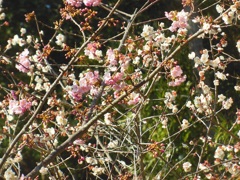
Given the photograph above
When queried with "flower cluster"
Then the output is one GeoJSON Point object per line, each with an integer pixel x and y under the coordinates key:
{"type": "Point", "coordinates": [89, 3]}
{"type": "Point", "coordinates": [92, 51]}
{"type": "Point", "coordinates": [176, 74]}
{"type": "Point", "coordinates": [179, 19]}
{"type": "Point", "coordinates": [86, 83]}
{"type": "Point", "coordinates": [23, 62]}
{"type": "Point", "coordinates": [19, 107]}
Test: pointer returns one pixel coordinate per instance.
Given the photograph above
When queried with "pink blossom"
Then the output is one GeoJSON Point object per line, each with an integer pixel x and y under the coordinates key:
{"type": "Point", "coordinates": [111, 57]}
{"type": "Point", "coordinates": [178, 81]}
{"type": "Point", "coordinates": [134, 98]}
{"type": "Point", "coordinates": [19, 107]}
{"type": "Point", "coordinates": [76, 3]}
{"type": "Point", "coordinates": [79, 142]}
{"type": "Point", "coordinates": [176, 74]}
{"type": "Point", "coordinates": [86, 84]}
{"type": "Point", "coordinates": [176, 71]}
{"type": "Point", "coordinates": [92, 2]}
{"type": "Point", "coordinates": [23, 64]}
{"type": "Point", "coordinates": [179, 19]}
{"type": "Point", "coordinates": [112, 80]}
{"type": "Point", "coordinates": [92, 50]}
{"type": "Point", "coordinates": [76, 92]}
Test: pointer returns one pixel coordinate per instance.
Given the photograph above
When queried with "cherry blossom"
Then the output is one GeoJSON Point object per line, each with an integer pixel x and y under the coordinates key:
{"type": "Point", "coordinates": [92, 2]}
{"type": "Point", "coordinates": [76, 3]}
{"type": "Point", "coordinates": [179, 19]}
{"type": "Point", "coordinates": [187, 166]}
{"type": "Point", "coordinates": [19, 107]}
{"type": "Point", "coordinates": [23, 62]}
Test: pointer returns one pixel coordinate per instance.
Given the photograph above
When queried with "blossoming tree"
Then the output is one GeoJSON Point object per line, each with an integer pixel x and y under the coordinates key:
{"type": "Point", "coordinates": [131, 98]}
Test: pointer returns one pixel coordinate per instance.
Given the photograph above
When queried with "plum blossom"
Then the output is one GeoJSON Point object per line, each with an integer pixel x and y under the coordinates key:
{"type": "Point", "coordinates": [184, 124]}
{"type": "Point", "coordinates": [84, 85]}
{"type": "Point", "coordinates": [61, 119]}
{"type": "Point", "coordinates": [10, 174]}
{"type": "Point", "coordinates": [111, 57]}
{"type": "Point", "coordinates": [176, 71]}
{"type": "Point", "coordinates": [134, 98]}
{"type": "Point", "coordinates": [43, 170]}
{"type": "Point", "coordinates": [176, 75]}
{"type": "Point", "coordinates": [112, 144]}
{"type": "Point", "coordinates": [92, 50]}
{"type": "Point", "coordinates": [148, 32]}
{"type": "Point", "coordinates": [98, 170]}
{"type": "Point", "coordinates": [228, 103]}
{"type": "Point", "coordinates": [114, 79]}
{"type": "Point", "coordinates": [76, 3]}
{"type": "Point", "coordinates": [179, 19]}
{"type": "Point", "coordinates": [219, 8]}
{"type": "Point", "coordinates": [92, 2]}
{"type": "Point", "coordinates": [220, 75]}
{"type": "Point", "coordinates": [228, 17]}
{"type": "Point", "coordinates": [23, 64]}
{"type": "Point", "coordinates": [108, 118]}
{"type": "Point", "coordinates": [19, 107]}
{"type": "Point", "coordinates": [187, 166]}
{"type": "Point", "coordinates": [238, 46]}
{"type": "Point", "coordinates": [60, 39]}
{"type": "Point", "coordinates": [219, 153]}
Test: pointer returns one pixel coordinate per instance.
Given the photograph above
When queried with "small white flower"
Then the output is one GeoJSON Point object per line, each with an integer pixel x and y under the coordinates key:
{"type": "Point", "coordinates": [60, 39]}
{"type": "Point", "coordinates": [238, 46]}
{"type": "Point", "coordinates": [228, 103]}
{"type": "Point", "coordinates": [220, 75]}
{"type": "Point", "coordinates": [184, 124]}
{"type": "Point", "coordinates": [91, 160]}
{"type": "Point", "coordinates": [98, 170]}
{"type": "Point", "coordinates": [219, 153]}
{"type": "Point", "coordinates": [219, 8]}
{"type": "Point", "coordinates": [206, 26]}
{"type": "Point", "coordinates": [43, 170]}
{"type": "Point", "coordinates": [238, 133]}
{"type": "Point", "coordinates": [108, 118]}
{"type": "Point", "coordinates": [216, 82]}
{"type": "Point", "coordinates": [2, 16]}
{"type": "Point", "coordinates": [221, 98]}
{"type": "Point", "coordinates": [23, 31]}
{"type": "Point", "coordinates": [203, 167]}
{"type": "Point", "coordinates": [187, 166]}
{"type": "Point", "coordinates": [61, 120]}
{"type": "Point", "coordinates": [147, 32]}
{"type": "Point", "coordinates": [191, 55]}
{"type": "Point", "coordinates": [237, 88]}
{"type": "Point", "coordinates": [113, 144]}
{"type": "Point", "coordinates": [10, 174]}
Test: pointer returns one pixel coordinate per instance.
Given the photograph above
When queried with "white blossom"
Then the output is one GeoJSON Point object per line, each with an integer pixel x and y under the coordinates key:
{"type": "Point", "coordinates": [219, 8]}
{"type": "Point", "coordinates": [219, 153]}
{"type": "Point", "coordinates": [60, 118]}
{"type": "Point", "coordinates": [184, 124]}
{"type": "Point", "coordinates": [10, 175]}
{"type": "Point", "coordinates": [112, 144]}
{"type": "Point", "coordinates": [187, 166]}
{"type": "Point", "coordinates": [228, 103]}
{"type": "Point", "coordinates": [220, 75]}
{"type": "Point", "coordinates": [147, 32]}
{"type": "Point", "coordinates": [43, 170]}
{"type": "Point", "coordinates": [98, 170]}
{"type": "Point", "coordinates": [238, 46]}
{"type": "Point", "coordinates": [60, 39]}
{"type": "Point", "coordinates": [191, 55]}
